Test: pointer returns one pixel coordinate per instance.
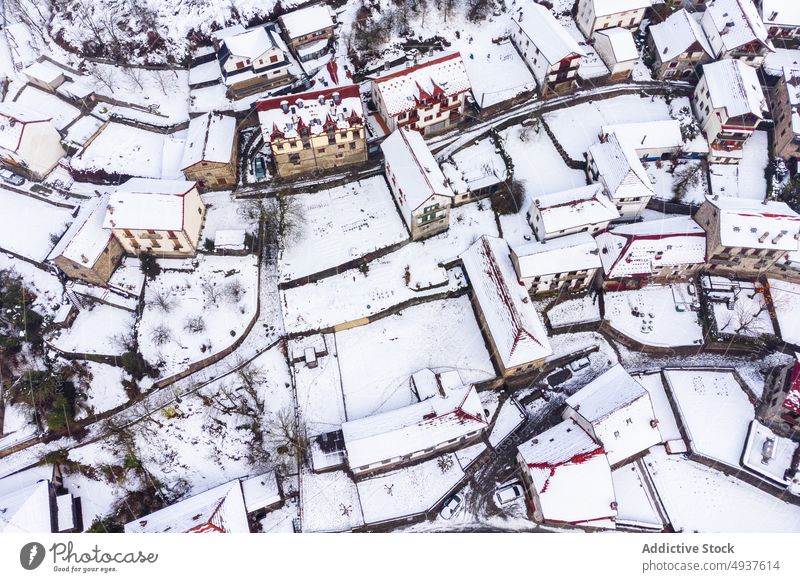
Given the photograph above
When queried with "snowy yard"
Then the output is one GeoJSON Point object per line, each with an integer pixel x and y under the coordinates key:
{"type": "Point", "coordinates": [30, 227]}
{"type": "Point", "coordinates": [786, 302]}
{"type": "Point", "coordinates": [574, 311]}
{"type": "Point", "coordinates": [319, 390]}
{"type": "Point", "coordinates": [225, 212]}
{"type": "Point", "coordinates": [48, 288]}
{"type": "Point", "coordinates": [746, 315]}
{"type": "Point", "coordinates": [716, 412]}
{"type": "Point", "coordinates": [685, 181]}
{"type": "Point", "coordinates": [656, 315]}
{"type": "Point", "coordinates": [125, 150]}
{"type": "Point", "coordinates": [377, 360]}
{"type": "Point", "coordinates": [98, 330]}
{"type": "Point", "coordinates": [330, 502]}
{"type": "Point", "coordinates": [191, 314]}
{"type": "Point", "coordinates": [106, 390]}
{"type": "Point", "coordinates": [745, 179]}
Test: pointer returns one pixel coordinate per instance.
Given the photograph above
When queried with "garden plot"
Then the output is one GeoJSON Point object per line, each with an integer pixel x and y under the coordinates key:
{"type": "Point", "coordinates": [684, 182]}
{"type": "Point", "coordinates": [341, 224]}
{"type": "Point", "coordinates": [377, 359]}
{"type": "Point", "coordinates": [319, 391]}
{"type": "Point", "coordinates": [122, 150]}
{"type": "Point", "coordinates": [584, 309]}
{"type": "Point", "coordinates": [106, 391]}
{"type": "Point", "coordinates": [61, 113]}
{"type": "Point", "coordinates": [330, 502]}
{"type": "Point", "coordinates": [409, 491]}
{"type": "Point", "coordinates": [30, 227]}
{"type": "Point", "coordinates": [656, 315]}
{"type": "Point", "coordinates": [715, 410]}
{"type": "Point", "coordinates": [195, 312]}
{"type": "Point", "coordinates": [699, 499]}
{"type": "Point", "coordinates": [742, 312]}
{"type": "Point", "coordinates": [225, 212]}
{"type": "Point", "coordinates": [47, 287]}
{"type": "Point", "coordinates": [578, 127]}
{"type": "Point", "coordinates": [100, 329]}
{"type": "Point", "coordinates": [786, 303]}
{"type": "Point", "coordinates": [745, 179]}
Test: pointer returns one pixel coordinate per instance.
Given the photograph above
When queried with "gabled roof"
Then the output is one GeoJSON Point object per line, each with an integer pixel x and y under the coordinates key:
{"type": "Point", "coordinates": [662, 134]}
{"type": "Point", "coordinates": [417, 173]}
{"type": "Point", "coordinates": [209, 139]}
{"type": "Point", "coordinates": [306, 20]}
{"type": "Point", "coordinates": [403, 87]}
{"type": "Point", "coordinates": [148, 204]}
{"type": "Point", "coordinates": [13, 119]}
{"type": "Point", "coordinates": [249, 44]}
{"type": "Point", "coordinates": [85, 239]}
{"type": "Point", "coordinates": [747, 223]}
{"type": "Point", "coordinates": [575, 208]}
{"type": "Point", "coordinates": [607, 7]}
{"type": "Point", "coordinates": [26, 510]}
{"type": "Point", "coordinates": [623, 47]}
{"type": "Point", "coordinates": [546, 33]}
{"type": "Point", "coordinates": [676, 34]}
{"type": "Point", "coordinates": [736, 22]}
{"type": "Point", "coordinates": [620, 169]}
{"type": "Point", "coordinates": [734, 86]}
{"type": "Point", "coordinates": [636, 249]}
{"type": "Point", "coordinates": [512, 321]}
{"type": "Point", "coordinates": [780, 13]}
{"type": "Point", "coordinates": [571, 475]}
{"type": "Point", "coordinates": [575, 252]}
{"type": "Point", "coordinates": [413, 428]}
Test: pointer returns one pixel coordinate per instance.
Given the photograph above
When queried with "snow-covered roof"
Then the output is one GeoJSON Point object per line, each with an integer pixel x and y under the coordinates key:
{"type": "Point", "coordinates": [607, 7]}
{"type": "Point", "coordinates": [571, 475]}
{"type": "Point", "coordinates": [546, 33]}
{"type": "Point", "coordinates": [44, 71]}
{"type": "Point", "coordinates": [620, 412]}
{"type": "Point", "coordinates": [736, 22]}
{"type": "Point", "coordinates": [413, 428]}
{"type": "Point", "coordinates": [676, 34]}
{"type": "Point", "coordinates": [26, 510]}
{"type": "Point", "coordinates": [148, 204]}
{"type": "Point", "coordinates": [218, 510]}
{"type": "Point", "coordinates": [209, 139]}
{"type": "Point", "coordinates": [575, 252]}
{"type": "Point", "coordinates": [780, 12]}
{"type": "Point", "coordinates": [426, 384]}
{"type": "Point", "coordinates": [792, 77]}
{"type": "Point", "coordinates": [250, 43]}
{"type": "Point", "coordinates": [623, 47]}
{"type": "Point", "coordinates": [575, 208]}
{"type": "Point", "coordinates": [233, 239]}
{"type": "Point", "coordinates": [403, 87]}
{"type": "Point", "coordinates": [637, 249]}
{"type": "Point", "coordinates": [306, 20]}
{"type": "Point", "coordinates": [747, 223]}
{"type": "Point", "coordinates": [315, 111]}
{"type": "Point", "coordinates": [417, 173]}
{"type": "Point", "coordinates": [512, 321]}
{"type": "Point", "coordinates": [85, 239]}
{"type": "Point", "coordinates": [260, 491]}
{"type": "Point", "coordinates": [13, 119]}
{"type": "Point", "coordinates": [663, 134]}
{"type": "Point", "coordinates": [734, 86]}
{"type": "Point", "coordinates": [620, 169]}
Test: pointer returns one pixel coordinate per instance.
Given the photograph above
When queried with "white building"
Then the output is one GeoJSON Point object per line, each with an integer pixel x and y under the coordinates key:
{"type": "Point", "coordinates": [654, 140]}
{"type": "Point", "coordinates": [781, 18]}
{"type": "Point", "coordinates": [567, 478]}
{"type": "Point", "coordinates": [617, 50]}
{"type": "Point", "coordinates": [309, 30]}
{"type": "Point", "coordinates": [569, 262]}
{"type": "Point", "coordinates": [252, 57]}
{"type": "Point", "coordinates": [417, 183]}
{"type": "Point", "coordinates": [583, 209]}
{"type": "Point", "coordinates": [615, 410]}
{"type": "Point", "coordinates": [599, 14]}
{"type": "Point", "coordinates": [508, 319]}
{"type": "Point", "coordinates": [36, 508]}
{"type": "Point", "coordinates": [29, 142]}
{"type": "Point", "coordinates": [735, 31]}
{"type": "Point", "coordinates": [622, 174]}
{"type": "Point", "coordinates": [550, 51]}
{"type": "Point", "coordinates": [729, 103]}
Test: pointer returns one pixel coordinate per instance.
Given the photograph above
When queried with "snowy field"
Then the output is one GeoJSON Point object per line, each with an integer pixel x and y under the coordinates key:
{"type": "Point", "coordinates": [191, 314]}
{"type": "Point", "coordinates": [125, 150]}
{"type": "Point", "coordinates": [106, 390]}
{"type": "Point", "coordinates": [745, 179]}
{"type": "Point", "coordinates": [96, 331]}
{"type": "Point", "coordinates": [225, 212]}
{"type": "Point", "coordinates": [30, 227]}
{"type": "Point", "coordinates": [330, 502]}
{"type": "Point", "coordinates": [715, 411]}
{"type": "Point", "coordinates": [319, 390]}
{"type": "Point", "coordinates": [786, 302]}
{"type": "Point", "coordinates": [342, 224]}
{"type": "Point", "coordinates": [650, 315]}
{"type": "Point", "coordinates": [377, 360]}
{"type": "Point", "coordinates": [574, 311]}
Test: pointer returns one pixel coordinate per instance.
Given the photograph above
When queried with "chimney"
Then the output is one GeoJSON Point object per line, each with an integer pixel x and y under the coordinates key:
{"type": "Point", "coordinates": [337, 98]}
{"type": "Point", "coordinates": [763, 237]}
{"type": "Point", "coordinates": [322, 99]}
{"type": "Point", "coordinates": [285, 106]}
{"type": "Point", "coordinates": [299, 103]}
{"type": "Point", "coordinates": [777, 237]}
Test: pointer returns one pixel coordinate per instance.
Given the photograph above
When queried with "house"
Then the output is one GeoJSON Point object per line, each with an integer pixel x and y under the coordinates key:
{"type": "Point", "coordinates": [595, 15]}
{"type": "Point", "coordinates": [510, 324]}
{"type": "Point", "coordinates": [87, 251]}
{"type": "Point", "coordinates": [252, 59]}
{"type": "Point", "coordinates": [583, 209]}
{"type": "Point", "coordinates": [616, 411]}
{"type": "Point", "coordinates": [678, 46]}
{"type": "Point", "coordinates": [314, 131]}
{"type": "Point", "coordinates": [43, 506]}
{"type": "Point", "coordinates": [222, 509]}
{"type": "Point", "coordinates": [780, 405]}
{"type": "Point", "coordinates": [546, 46]}
{"type": "Point", "coordinates": [786, 114]}
{"type": "Point", "coordinates": [450, 419]}
{"type": "Point", "coordinates": [729, 104]}
{"type": "Point", "coordinates": [620, 171]}
{"type": "Point", "coordinates": [308, 31]}
{"type": "Point", "coordinates": [618, 51]}
{"type": "Point", "coordinates": [569, 262]}
{"type": "Point", "coordinates": [651, 251]}
{"type": "Point", "coordinates": [209, 156]}
{"type": "Point", "coordinates": [747, 237]}
{"type": "Point", "coordinates": [656, 140]}
{"type": "Point", "coordinates": [567, 478]}
{"type": "Point", "coordinates": [161, 216]}
{"type": "Point", "coordinates": [428, 96]}
{"type": "Point", "coordinates": [29, 142]}
{"type": "Point", "coordinates": [44, 75]}
{"type": "Point", "coordinates": [735, 31]}
{"type": "Point", "coordinates": [418, 186]}
{"type": "Point", "coordinates": [781, 18]}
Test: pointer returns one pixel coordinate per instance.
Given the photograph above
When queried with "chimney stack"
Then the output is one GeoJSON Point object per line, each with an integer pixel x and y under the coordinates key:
{"type": "Point", "coordinates": [337, 98]}
{"type": "Point", "coordinates": [285, 106]}
{"type": "Point", "coordinates": [777, 237]}
{"type": "Point", "coordinates": [763, 237]}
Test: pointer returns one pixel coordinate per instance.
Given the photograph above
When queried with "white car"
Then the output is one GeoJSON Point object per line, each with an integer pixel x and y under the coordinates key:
{"type": "Point", "coordinates": [11, 178]}
{"type": "Point", "coordinates": [452, 506]}
{"type": "Point", "coordinates": [508, 493]}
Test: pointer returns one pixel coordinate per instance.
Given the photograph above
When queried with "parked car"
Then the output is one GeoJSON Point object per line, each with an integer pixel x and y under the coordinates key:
{"type": "Point", "coordinates": [508, 493]}
{"type": "Point", "coordinates": [452, 506]}
{"type": "Point", "coordinates": [579, 364]}
{"type": "Point", "coordinates": [259, 168]}
{"type": "Point", "coordinates": [11, 178]}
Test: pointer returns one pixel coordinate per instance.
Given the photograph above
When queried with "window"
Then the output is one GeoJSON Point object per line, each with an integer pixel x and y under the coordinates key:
{"type": "Point", "coordinates": [273, 59]}
{"type": "Point", "coordinates": [294, 159]}
{"type": "Point", "coordinates": [128, 233]}
{"type": "Point", "coordinates": [155, 244]}
{"type": "Point", "coordinates": [352, 145]}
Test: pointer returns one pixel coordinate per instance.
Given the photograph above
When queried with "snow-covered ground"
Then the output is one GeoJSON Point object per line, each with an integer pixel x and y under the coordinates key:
{"type": "Point", "coordinates": [786, 303]}
{"type": "Point", "coordinates": [106, 390]}
{"type": "Point", "coordinates": [319, 390]}
{"type": "Point", "coordinates": [98, 330]}
{"type": "Point", "coordinates": [584, 309]}
{"type": "Point", "coordinates": [122, 149]}
{"type": "Point", "coordinates": [748, 316]}
{"type": "Point", "coordinates": [667, 176]}
{"type": "Point", "coordinates": [745, 179]}
{"type": "Point", "coordinates": [226, 212]}
{"type": "Point", "coordinates": [330, 502]}
{"type": "Point", "coordinates": [30, 227]}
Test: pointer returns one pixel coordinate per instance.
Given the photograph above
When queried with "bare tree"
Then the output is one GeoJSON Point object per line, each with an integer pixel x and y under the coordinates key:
{"type": "Point", "coordinates": [285, 433]}
{"type": "Point", "coordinates": [234, 291]}
{"type": "Point", "coordinates": [161, 334]}
{"type": "Point", "coordinates": [161, 301]}
{"type": "Point", "coordinates": [211, 291]}
{"type": "Point", "coordinates": [195, 324]}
